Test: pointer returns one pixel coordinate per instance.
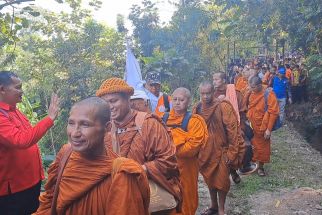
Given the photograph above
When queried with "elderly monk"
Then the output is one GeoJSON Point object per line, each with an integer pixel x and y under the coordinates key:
{"type": "Point", "coordinates": [261, 121]}
{"type": "Point", "coordinates": [92, 182]}
{"type": "Point", "coordinates": [229, 92]}
{"type": "Point", "coordinates": [222, 150]}
{"type": "Point", "coordinates": [149, 144]}
{"type": "Point", "coordinates": [189, 133]}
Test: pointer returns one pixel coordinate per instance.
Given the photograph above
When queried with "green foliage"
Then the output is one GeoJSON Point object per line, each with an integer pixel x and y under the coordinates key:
{"type": "Point", "coordinates": [69, 53]}
{"type": "Point", "coordinates": [29, 110]}
{"type": "Point", "coordinates": [314, 63]}
{"type": "Point", "coordinates": [72, 53]}
{"type": "Point", "coordinates": [146, 21]}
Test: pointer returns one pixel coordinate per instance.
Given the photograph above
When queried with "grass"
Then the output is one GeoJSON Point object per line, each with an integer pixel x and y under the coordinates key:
{"type": "Point", "coordinates": [293, 165]}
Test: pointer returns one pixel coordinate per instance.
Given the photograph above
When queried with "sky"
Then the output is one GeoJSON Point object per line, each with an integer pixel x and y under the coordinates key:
{"type": "Point", "coordinates": [111, 8]}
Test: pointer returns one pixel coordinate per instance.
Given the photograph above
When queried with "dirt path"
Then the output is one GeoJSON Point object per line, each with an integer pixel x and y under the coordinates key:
{"type": "Point", "coordinates": [293, 184]}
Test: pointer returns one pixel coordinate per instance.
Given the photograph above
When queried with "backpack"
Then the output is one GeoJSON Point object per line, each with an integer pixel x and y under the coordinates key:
{"type": "Point", "coordinates": [160, 198]}
{"type": "Point", "coordinates": [166, 102]}
{"type": "Point", "coordinates": [184, 123]}
{"type": "Point", "coordinates": [278, 122]}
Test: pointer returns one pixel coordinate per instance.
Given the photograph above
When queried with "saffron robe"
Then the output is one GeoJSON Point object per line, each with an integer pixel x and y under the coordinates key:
{"type": "Point", "coordinates": [188, 144]}
{"type": "Point", "coordinates": [223, 143]}
{"type": "Point", "coordinates": [241, 85]}
{"type": "Point", "coordinates": [242, 108]}
{"type": "Point", "coordinates": [152, 147]}
{"type": "Point", "coordinates": [101, 186]}
{"type": "Point", "coordinates": [260, 121]}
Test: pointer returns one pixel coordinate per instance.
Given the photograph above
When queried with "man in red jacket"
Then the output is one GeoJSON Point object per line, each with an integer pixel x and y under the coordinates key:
{"type": "Point", "coordinates": [21, 170]}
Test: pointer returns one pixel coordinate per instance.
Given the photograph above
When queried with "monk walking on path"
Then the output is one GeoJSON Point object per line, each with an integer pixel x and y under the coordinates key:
{"type": "Point", "coordinates": [224, 148]}
{"type": "Point", "coordinates": [189, 133]}
{"type": "Point", "coordinates": [229, 92]}
{"type": "Point", "coordinates": [142, 137]}
{"type": "Point", "coordinates": [262, 121]}
{"type": "Point", "coordinates": [84, 179]}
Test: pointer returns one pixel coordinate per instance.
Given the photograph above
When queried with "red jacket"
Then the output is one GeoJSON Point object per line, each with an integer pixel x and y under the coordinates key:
{"type": "Point", "coordinates": [20, 160]}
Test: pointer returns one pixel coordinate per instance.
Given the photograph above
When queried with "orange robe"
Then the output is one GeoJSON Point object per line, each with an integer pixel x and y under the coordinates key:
{"type": "Point", "coordinates": [242, 108]}
{"type": "Point", "coordinates": [140, 105]}
{"type": "Point", "coordinates": [153, 148]}
{"type": "Point", "coordinates": [242, 85]}
{"type": "Point", "coordinates": [188, 145]}
{"type": "Point", "coordinates": [288, 74]}
{"type": "Point", "coordinates": [260, 121]}
{"type": "Point", "coordinates": [101, 186]}
{"type": "Point", "coordinates": [223, 143]}
{"type": "Point", "coordinates": [237, 77]}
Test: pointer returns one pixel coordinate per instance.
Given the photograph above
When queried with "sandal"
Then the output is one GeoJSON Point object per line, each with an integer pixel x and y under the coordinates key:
{"type": "Point", "coordinates": [248, 170]}
{"type": "Point", "coordinates": [210, 211]}
{"type": "Point", "coordinates": [261, 172]}
{"type": "Point", "coordinates": [236, 178]}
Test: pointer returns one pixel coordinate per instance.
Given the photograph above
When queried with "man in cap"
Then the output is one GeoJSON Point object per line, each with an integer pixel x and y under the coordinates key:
{"type": "Point", "coordinates": [141, 137]}
{"type": "Point", "coordinates": [160, 102]}
{"type": "Point", "coordinates": [282, 90]}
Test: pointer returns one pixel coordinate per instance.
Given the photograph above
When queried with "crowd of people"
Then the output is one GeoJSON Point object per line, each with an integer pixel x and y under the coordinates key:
{"type": "Point", "coordinates": [140, 151]}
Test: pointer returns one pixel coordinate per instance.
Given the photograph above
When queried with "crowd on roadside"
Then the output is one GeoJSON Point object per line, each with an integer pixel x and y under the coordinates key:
{"type": "Point", "coordinates": [140, 151]}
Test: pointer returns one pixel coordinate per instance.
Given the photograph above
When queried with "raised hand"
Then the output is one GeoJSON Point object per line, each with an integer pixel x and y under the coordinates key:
{"type": "Point", "coordinates": [54, 106]}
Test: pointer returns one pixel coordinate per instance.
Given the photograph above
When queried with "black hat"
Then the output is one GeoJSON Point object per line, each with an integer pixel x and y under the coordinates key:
{"type": "Point", "coordinates": [153, 78]}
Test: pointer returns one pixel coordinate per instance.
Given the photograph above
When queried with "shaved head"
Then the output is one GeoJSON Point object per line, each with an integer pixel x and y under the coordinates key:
{"type": "Point", "coordinates": [255, 80]}
{"type": "Point", "coordinates": [206, 91]}
{"type": "Point", "coordinates": [181, 99]}
{"type": "Point", "coordinates": [221, 75]}
{"type": "Point", "coordinates": [219, 79]}
{"type": "Point", "coordinates": [206, 84]}
{"type": "Point", "coordinates": [255, 83]}
{"type": "Point", "coordinates": [184, 91]}
{"type": "Point", "coordinates": [98, 105]}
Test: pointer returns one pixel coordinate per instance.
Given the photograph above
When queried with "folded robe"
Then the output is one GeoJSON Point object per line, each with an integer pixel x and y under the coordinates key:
{"type": "Point", "coordinates": [102, 186]}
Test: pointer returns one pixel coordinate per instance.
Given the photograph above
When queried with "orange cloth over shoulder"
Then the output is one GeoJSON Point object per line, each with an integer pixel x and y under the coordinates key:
{"type": "Point", "coordinates": [101, 186]}
{"type": "Point", "coordinates": [153, 148]}
{"type": "Point", "coordinates": [261, 121]}
{"type": "Point", "coordinates": [241, 84]}
{"type": "Point", "coordinates": [223, 143]}
{"type": "Point", "coordinates": [288, 74]}
{"type": "Point", "coordinates": [188, 144]}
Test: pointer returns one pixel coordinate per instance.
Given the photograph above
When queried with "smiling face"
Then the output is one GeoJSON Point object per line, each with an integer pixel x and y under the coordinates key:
{"type": "Point", "coordinates": [119, 105]}
{"type": "Point", "coordinates": [12, 93]}
{"type": "Point", "coordinates": [85, 130]}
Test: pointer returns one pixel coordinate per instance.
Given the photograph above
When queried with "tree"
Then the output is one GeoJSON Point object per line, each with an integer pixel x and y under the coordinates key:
{"type": "Point", "coordinates": [146, 20]}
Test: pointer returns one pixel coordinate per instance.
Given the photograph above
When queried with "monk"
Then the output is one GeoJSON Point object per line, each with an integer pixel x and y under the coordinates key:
{"type": "Point", "coordinates": [142, 137]}
{"type": "Point", "coordinates": [228, 91]}
{"type": "Point", "coordinates": [92, 182]}
{"type": "Point", "coordinates": [188, 140]}
{"type": "Point", "coordinates": [242, 82]}
{"type": "Point", "coordinates": [222, 150]}
{"type": "Point", "coordinates": [261, 121]}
